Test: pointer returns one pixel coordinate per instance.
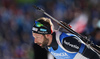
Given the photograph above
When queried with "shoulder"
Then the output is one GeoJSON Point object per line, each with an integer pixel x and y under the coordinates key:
{"type": "Point", "coordinates": [63, 33]}
{"type": "Point", "coordinates": [68, 36]}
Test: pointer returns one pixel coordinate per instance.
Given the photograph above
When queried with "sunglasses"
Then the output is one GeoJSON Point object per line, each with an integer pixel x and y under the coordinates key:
{"type": "Point", "coordinates": [38, 24]}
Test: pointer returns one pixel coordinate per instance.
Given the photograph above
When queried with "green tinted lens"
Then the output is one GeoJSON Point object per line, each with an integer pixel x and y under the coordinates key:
{"type": "Point", "coordinates": [38, 24]}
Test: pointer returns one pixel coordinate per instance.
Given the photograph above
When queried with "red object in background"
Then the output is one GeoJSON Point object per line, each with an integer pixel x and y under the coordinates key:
{"type": "Point", "coordinates": [70, 26]}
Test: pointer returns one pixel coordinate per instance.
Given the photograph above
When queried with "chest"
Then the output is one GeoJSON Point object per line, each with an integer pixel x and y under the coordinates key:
{"type": "Point", "coordinates": [61, 54]}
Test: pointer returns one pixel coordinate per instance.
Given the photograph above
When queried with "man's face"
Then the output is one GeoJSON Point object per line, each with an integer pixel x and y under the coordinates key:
{"type": "Point", "coordinates": [40, 39]}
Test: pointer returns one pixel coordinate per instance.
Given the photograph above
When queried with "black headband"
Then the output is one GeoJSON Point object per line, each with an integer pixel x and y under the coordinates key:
{"type": "Point", "coordinates": [40, 28]}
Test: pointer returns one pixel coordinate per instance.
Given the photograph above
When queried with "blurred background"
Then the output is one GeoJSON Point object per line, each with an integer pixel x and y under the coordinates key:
{"type": "Point", "coordinates": [17, 18]}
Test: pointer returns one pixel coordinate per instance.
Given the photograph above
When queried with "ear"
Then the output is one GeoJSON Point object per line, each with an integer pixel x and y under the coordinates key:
{"type": "Point", "coordinates": [51, 30]}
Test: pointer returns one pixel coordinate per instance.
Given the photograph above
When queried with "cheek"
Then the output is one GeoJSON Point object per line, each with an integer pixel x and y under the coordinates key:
{"type": "Point", "coordinates": [41, 39]}
{"type": "Point", "coordinates": [45, 40]}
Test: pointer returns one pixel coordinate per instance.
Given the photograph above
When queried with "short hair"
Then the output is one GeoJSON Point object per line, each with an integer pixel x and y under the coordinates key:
{"type": "Point", "coordinates": [46, 22]}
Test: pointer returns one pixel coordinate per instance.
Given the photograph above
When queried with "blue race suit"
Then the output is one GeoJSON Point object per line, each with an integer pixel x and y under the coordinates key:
{"type": "Point", "coordinates": [62, 53]}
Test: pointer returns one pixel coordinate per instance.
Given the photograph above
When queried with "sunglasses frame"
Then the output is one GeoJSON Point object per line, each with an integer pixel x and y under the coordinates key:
{"type": "Point", "coordinates": [39, 23]}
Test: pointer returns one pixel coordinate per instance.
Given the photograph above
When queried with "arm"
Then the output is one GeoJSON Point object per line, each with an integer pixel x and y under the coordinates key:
{"type": "Point", "coordinates": [71, 44]}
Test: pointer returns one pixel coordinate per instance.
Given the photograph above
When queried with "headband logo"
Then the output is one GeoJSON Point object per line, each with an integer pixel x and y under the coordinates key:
{"type": "Point", "coordinates": [43, 29]}
{"type": "Point", "coordinates": [35, 29]}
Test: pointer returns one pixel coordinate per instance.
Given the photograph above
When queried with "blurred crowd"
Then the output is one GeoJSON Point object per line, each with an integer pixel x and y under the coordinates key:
{"type": "Point", "coordinates": [17, 18]}
{"type": "Point", "coordinates": [15, 31]}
